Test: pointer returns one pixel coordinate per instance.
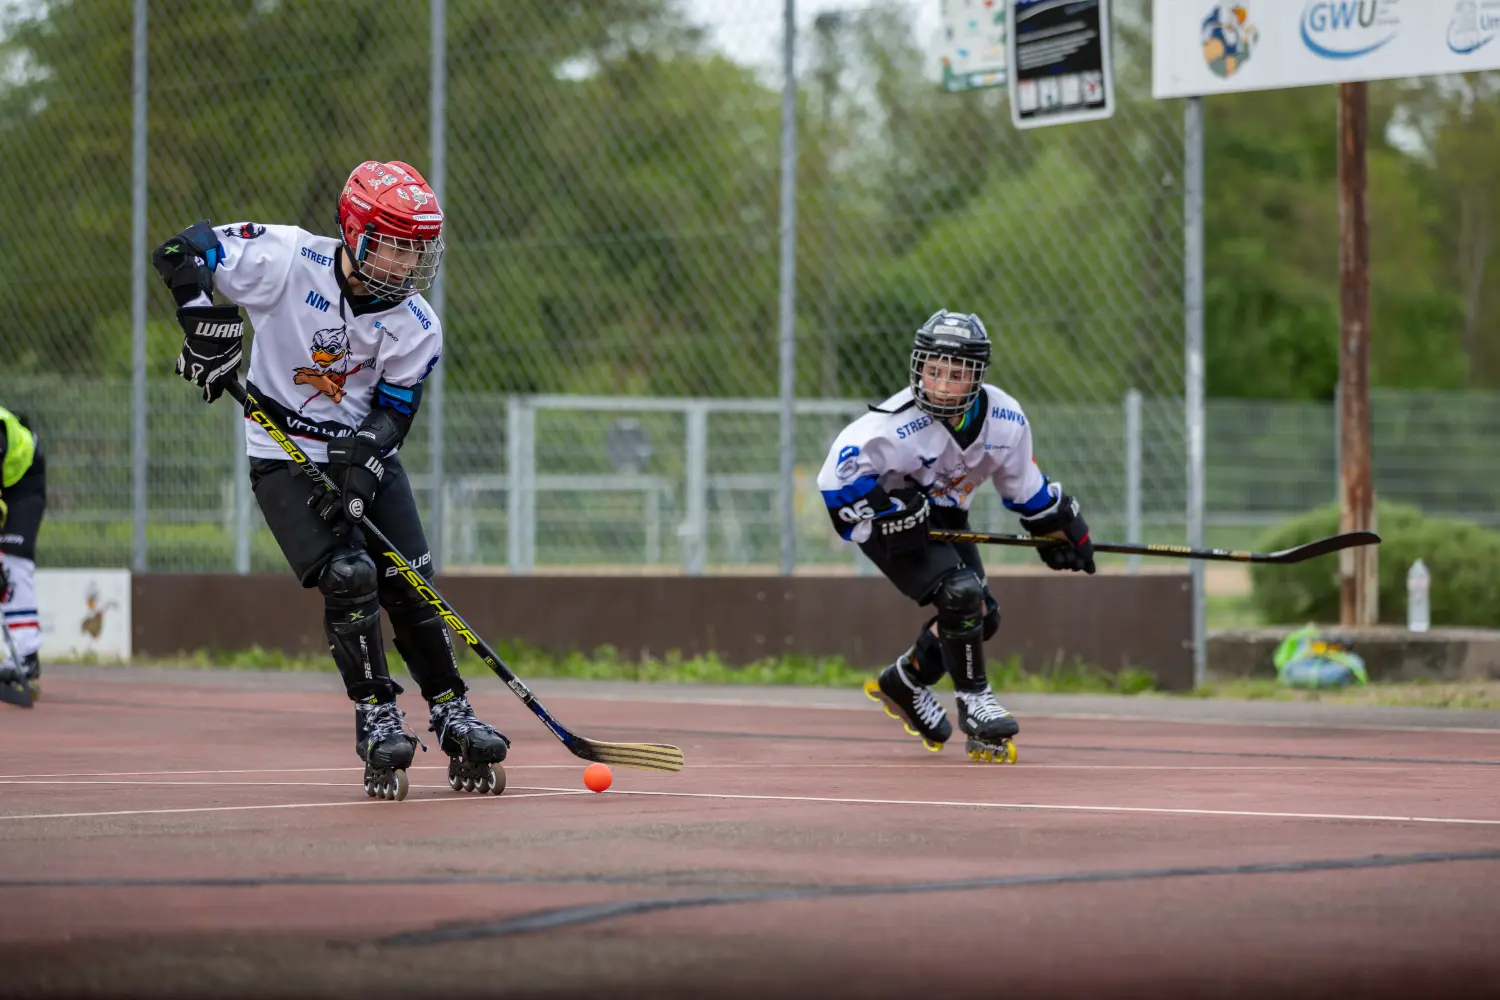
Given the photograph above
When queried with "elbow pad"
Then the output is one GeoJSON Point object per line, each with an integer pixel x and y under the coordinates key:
{"type": "Point", "coordinates": [186, 262]}
{"type": "Point", "coordinates": [389, 427]}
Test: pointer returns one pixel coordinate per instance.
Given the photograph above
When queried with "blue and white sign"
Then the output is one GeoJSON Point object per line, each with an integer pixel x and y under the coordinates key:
{"type": "Point", "coordinates": [1213, 47]}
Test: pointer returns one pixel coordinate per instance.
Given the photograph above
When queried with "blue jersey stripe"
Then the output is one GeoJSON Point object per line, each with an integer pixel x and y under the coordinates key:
{"type": "Point", "coordinates": [861, 487]}
{"type": "Point", "coordinates": [1040, 502]}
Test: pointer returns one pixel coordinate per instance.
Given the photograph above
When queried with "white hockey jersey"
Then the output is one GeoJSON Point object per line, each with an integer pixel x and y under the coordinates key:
{"type": "Point", "coordinates": [315, 365]}
{"type": "Point", "coordinates": [898, 446]}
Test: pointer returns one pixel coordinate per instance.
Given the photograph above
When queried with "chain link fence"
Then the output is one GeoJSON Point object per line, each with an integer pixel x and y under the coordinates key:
{"type": "Point", "coordinates": [611, 286]}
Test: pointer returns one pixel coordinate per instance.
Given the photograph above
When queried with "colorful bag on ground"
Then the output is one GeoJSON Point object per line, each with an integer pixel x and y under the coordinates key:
{"type": "Point", "coordinates": [1307, 660]}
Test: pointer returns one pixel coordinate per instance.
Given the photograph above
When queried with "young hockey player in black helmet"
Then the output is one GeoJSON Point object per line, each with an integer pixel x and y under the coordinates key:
{"type": "Point", "coordinates": [343, 343]}
{"type": "Point", "coordinates": [912, 464]}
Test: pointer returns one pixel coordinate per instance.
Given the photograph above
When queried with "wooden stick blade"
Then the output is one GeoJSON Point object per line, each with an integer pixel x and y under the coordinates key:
{"type": "Point", "coordinates": [641, 756]}
{"type": "Point", "coordinates": [1323, 547]}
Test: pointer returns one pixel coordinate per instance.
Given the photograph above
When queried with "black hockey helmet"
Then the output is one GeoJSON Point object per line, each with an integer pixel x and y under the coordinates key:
{"type": "Point", "coordinates": [949, 357]}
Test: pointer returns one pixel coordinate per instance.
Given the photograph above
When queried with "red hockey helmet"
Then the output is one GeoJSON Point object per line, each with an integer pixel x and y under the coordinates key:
{"type": "Point", "coordinates": [392, 228]}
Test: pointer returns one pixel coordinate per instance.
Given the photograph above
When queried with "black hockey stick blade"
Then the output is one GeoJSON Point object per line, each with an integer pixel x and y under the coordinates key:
{"type": "Point", "coordinates": [1321, 547]}
{"type": "Point", "coordinates": [642, 756]}
{"type": "Point", "coordinates": [14, 692]}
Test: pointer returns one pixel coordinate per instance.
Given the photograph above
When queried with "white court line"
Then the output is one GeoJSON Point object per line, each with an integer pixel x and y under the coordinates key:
{"type": "Point", "coordinates": [1353, 765]}
{"type": "Point", "coordinates": [537, 793]}
{"type": "Point", "coordinates": [1071, 716]}
{"type": "Point", "coordinates": [1058, 808]}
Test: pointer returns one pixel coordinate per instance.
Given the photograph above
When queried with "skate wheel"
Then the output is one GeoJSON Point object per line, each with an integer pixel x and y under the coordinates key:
{"type": "Point", "coordinates": [454, 782]}
{"type": "Point", "coordinates": [398, 785]}
{"type": "Point", "coordinates": [1010, 753]}
{"type": "Point", "coordinates": [497, 780]}
{"type": "Point", "coordinates": [932, 745]}
{"type": "Point", "coordinates": [468, 782]}
{"type": "Point", "coordinates": [872, 689]}
{"type": "Point", "coordinates": [369, 784]}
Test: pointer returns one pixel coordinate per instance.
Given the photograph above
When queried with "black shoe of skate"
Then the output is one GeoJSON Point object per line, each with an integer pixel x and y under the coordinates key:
{"type": "Point", "coordinates": [989, 727]}
{"type": "Point", "coordinates": [474, 748]}
{"type": "Point", "coordinates": [913, 704]}
{"type": "Point", "coordinates": [385, 747]}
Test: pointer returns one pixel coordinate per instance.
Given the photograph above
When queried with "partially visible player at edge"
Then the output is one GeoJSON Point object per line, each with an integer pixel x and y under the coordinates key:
{"type": "Point", "coordinates": [343, 342]}
{"type": "Point", "coordinates": [912, 463]}
{"type": "Point", "coordinates": [23, 501]}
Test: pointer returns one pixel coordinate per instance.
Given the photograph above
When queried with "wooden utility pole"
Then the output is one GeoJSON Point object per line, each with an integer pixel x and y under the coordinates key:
{"type": "Point", "coordinates": [1359, 588]}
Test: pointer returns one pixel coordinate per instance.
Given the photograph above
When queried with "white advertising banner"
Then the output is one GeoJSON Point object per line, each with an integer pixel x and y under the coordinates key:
{"type": "Point", "coordinates": [1201, 47]}
{"type": "Point", "coordinates": [84, 614]}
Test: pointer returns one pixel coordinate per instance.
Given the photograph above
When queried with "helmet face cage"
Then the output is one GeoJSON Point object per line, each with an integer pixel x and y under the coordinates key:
{"type": "Point", "coordinates": [948, 361]}
{"type": "Point", "coordinates": [945, 382]}
{"type": "Point", "coordinates": [395, 267]}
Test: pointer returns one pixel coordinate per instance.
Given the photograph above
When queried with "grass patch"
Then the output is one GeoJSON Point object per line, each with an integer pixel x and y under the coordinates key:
{"type": "Point", "coordinates": [1408, 694]}
{"type": "Point", "coordinates": [1231, 611]}
{"type": "Point", "coordinates": [606, 664]}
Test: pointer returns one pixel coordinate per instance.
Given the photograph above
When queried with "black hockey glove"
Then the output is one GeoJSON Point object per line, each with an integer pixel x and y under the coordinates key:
{"type": "Point", "coordinates": [354, 463]}
{"type": "Point", "coordinates": [210, 348]}
{"type": "Point", "coordinates": [1063, 521]}
{"type": "Point", "coordinates": [903, 530]}
{"type": "Point", "coordinates": [186, 262]}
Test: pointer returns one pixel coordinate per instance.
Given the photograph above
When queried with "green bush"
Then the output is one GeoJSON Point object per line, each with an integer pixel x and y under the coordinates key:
{"type": "Point", "coordinates": [1463, 558]}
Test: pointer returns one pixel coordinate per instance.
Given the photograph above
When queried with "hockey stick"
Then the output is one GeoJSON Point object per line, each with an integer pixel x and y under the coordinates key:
{"type": "Point", "coordinates": [642, 756]}
{"type": "Point", "coordinates": [1301, 553]}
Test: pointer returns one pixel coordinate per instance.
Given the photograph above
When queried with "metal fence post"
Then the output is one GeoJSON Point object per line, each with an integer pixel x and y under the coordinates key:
{"type": "Point", "coordinates": [1192, 223]}
{"type": "Point", "coordinates": [1133, 475]}
{"type": "Point", "coordinates": [520, 492]}
{"type": "Point", "coordinates": [138, 251]}
{"type": "Point", "coordinates": [788, 299]}
{"type": "Point", "coordinates": [695, 527]}
{"type": "Point", "coordinates": [437, 176]}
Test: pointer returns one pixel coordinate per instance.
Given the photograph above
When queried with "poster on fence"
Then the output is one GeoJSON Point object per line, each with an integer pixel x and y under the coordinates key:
{"type": "Point", "coordinates": [973, 44]}
{"type": "Point", "coordinates": [1059, 62]}
{"type": "Point", "coordinates": [84, 614]}
{"type": "Point", "coordinates": [1203, 47]}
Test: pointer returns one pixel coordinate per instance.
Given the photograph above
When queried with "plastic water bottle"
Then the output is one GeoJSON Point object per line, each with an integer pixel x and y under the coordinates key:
{"type": "Point", "coordinates": [1418, 592]}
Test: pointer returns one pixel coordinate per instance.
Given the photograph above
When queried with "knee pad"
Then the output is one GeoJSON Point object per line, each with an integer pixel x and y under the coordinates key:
{"type": "Point", "coordinates": [350, 574]}
{"type": "Point", "coordinates": [991, 616]}
{"type": "Point", "coordinates": [959, 600]}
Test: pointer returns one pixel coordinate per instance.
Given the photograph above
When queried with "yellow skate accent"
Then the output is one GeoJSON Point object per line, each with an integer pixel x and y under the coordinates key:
{"type": "Point", "coordinates": [1004, 754]}
{"type": "Point", "coordinates": [873, 692]}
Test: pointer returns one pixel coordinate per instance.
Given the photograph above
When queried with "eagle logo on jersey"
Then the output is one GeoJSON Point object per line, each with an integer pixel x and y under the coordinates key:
{"type": "Point", "coordinates": [330, 353]}
{"type": "Point", "coordinates": [952, 483]}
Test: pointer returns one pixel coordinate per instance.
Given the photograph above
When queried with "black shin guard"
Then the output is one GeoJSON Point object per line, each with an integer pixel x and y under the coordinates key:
{"type": "Point", "coordinates": [351, 619]}
{"type": "Point", "coordinates": [353, 629]}
{"type": "Point", "coordinates": [959, 600]}
{"type": "Point", "coordinates": [424, 643]}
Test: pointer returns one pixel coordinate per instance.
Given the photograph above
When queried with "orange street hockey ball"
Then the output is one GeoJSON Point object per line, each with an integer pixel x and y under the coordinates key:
{"type": "Point", "coordinates": [597, 777]}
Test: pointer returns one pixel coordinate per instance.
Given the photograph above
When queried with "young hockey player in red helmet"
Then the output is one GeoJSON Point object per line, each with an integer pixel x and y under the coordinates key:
{"type": "Point", "coordinates": [912, 464]}
{"type": "Point", "coordinates": [343, 342]}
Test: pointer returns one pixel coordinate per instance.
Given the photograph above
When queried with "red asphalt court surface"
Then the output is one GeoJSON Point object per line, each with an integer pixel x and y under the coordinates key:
{"type": "Point", "coordinates": [197, 833]}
